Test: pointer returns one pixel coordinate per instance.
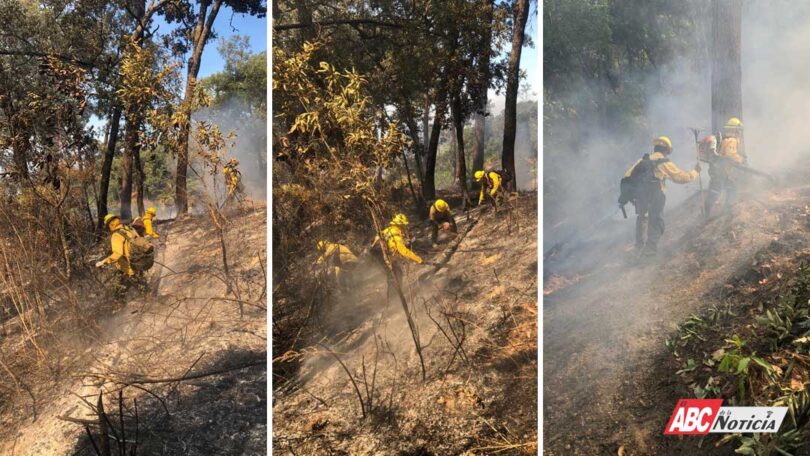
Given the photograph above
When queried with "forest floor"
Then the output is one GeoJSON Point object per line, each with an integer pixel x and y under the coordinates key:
{"type": "Point", "coordinates": [477, 323]}
{"type": "Point", "coordinates": [610, 382]}
{"type": "Point", "coordinates": [187, 325]}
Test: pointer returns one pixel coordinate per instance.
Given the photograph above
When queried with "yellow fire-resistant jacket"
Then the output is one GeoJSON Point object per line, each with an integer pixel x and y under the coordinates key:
{"type": "Point", "coordinates": [492, 181]}
{"type": "Point", "coordinates": [728, 148]}
{"type": "Point", "coordinates": [344, 254]}
{"type": "Point", "coordinates": [120, 249]}
{"type": "Point", "coordinates": [667, 170]}
{"type": "Point", "coordinates": [395, 240]}
{"type": "Point", "coordinates": [147, 223]}
{"type": "Point", "coordinates": [435, 213]}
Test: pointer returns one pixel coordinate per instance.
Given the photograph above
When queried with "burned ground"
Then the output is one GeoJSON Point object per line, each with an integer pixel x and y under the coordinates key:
{"type": "Point", "coordinates": [609, 377]}
{"type": "Point", "coordinates": [476, 320]}
{"type": "Point", "coordinates": [191, 352]}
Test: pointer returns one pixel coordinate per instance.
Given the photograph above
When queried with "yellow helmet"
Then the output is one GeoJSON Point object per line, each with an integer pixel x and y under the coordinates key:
{"type": "Point", "coordinates": [441, 205]}
{"type": "Point", "coordinates": [151, 211]}
{"type": "Point", "coordinates": [734, 123]}
{"type": "Point", "coordinates": [479, 175]}
{"type": "Point", "coordinates": [663, 141]}
{"type": "Point", "coordinates": [109, 218]}
{"type": "Point", "coordinates": [399, 219]}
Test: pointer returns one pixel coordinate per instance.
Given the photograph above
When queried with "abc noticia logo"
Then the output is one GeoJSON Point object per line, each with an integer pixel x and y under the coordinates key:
{"type": "Point", "coordinates": [704, 416]}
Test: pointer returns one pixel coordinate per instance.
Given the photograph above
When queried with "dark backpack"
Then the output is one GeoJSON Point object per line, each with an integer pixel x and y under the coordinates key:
{"type": "Point", "coordinates": [141, 251]}
{"type": "Point", "coordinates": [506, 176]}
{"type": "Point", "coordinates": [640, 181]}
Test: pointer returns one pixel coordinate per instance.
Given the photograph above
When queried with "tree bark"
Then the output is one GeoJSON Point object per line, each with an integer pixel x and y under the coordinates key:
{"type": "Point", "coordinates": [140, 177]}
{"type": "Point", "coordinates": [201, 33]}
{"type": "Point", "coordinates": [460, 178]}
{"type": "Point", "coordinates": [429, 190]}
{"type": "Point", "coordinates": [726, 61]}
{"type": "Point", "coordinates": [130, 144]}
{"type": "Point", "coordinates": [426, 123]}
{"type": "Point", "coordinates": [512, 83]}
{"type": "Point", "coordinates": [479, 117]}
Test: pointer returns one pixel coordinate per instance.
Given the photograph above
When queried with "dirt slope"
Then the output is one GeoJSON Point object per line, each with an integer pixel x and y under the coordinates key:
{"type": "Point", "coordinates": [189, 323]}
{"type": "Point", "coordinates": [608, 384]}
{"type": "Point", "coordinates": [475, 400]}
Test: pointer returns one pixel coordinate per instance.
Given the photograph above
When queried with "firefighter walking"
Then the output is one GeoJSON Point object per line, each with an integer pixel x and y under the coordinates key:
{"type": "Point", "coordinates": [648, 181]}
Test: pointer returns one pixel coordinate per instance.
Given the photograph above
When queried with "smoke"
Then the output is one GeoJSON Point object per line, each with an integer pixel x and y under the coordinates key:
{"type": "Point", "coordinates": [250, 143]}
{"type": "Point", "coordinates": [775, 46]}
{"type": "Point", "coordinates": [525, 157]}
{"type": "Point", "coordinates": [589, 156]}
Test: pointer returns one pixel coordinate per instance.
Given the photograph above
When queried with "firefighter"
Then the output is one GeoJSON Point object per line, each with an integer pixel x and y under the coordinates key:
{"type": "Point", "coordinates": [148, 220]}
{"type": "Point", "coordinates": [440, 216]}
{"type": "Point", "coordinates": [490, 182]}
{"type": "Point", "coordinates": [721, 166]}
{"type": "Point", "coordinates": [395, 239]}
{"type": "Point", "coordinates": [650, 197]}
{"type": "Point", "coordinates": [338, 260]}
{"type": "Point", "coordinates": [120, 252]}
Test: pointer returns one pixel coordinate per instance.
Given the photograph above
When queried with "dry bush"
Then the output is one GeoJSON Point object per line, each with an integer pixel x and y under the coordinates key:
{"type": "Point", "coordinates": [331, 154]}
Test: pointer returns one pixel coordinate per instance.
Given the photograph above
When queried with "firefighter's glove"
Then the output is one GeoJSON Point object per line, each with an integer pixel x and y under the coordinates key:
{"type": "Point", "coordinates": [100, 264]}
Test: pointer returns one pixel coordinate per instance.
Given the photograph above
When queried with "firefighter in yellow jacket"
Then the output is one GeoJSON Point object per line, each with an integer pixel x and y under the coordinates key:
{"type": "Point", "coordinates": [440, 215]}
{"type": "Point", "coordinates": [148, 220]}
{"type": "Point", "coordinates": [721, 168]}
{"type": "Point", "coordinates": [651, 199]}
{"type": "Point", "coordinates": [490, 182]}
{"type": "Point", "coordinates": [395, 238]}
{"type": "Point", "coordinates": [143, 225]}
{"type": "Point", "coordinates": [338, 260]}
{"type": "Point", "coordinates": [120, 248]}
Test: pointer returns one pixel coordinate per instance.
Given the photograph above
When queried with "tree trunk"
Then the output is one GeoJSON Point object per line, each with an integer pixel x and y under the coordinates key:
{"type": "Point", "coordinates": [201, 33]}
{"type": "Point", "coordinates": [726, 64]}
{"type": "Point", "coordinates": [130, 144]}
{"type": "Point", "coordinates": [512, 83]}
{"type": "Point", "coordinates": [304, 13]}
{"type": "Point", "coordinates": [429, 190]}
{"type": "Point", "coordinates": [460, 177]}
{"type": "Point", "coordinates": [106, 168]}
{"type": "Point", "coordinates": [479, 118]}
{"type": "Point", "coordinates": [140, 177]}
{"type": "Point", "coordinates": [426, 124]}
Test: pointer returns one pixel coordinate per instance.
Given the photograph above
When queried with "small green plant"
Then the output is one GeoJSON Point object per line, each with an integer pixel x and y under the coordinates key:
{"type": "Point", "coordinates": [738, 364]}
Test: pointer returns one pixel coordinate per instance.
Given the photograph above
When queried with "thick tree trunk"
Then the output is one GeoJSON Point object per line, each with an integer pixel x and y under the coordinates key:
{"type": "Point", "coordinates": [512, 83]}
{"type": "Point", "coordinates": [429, 190]}
{"type": "Point", "coordinates": [201, 33]}
{"type": "Point", "coordinates": [460, 177]}
{"type": "Point", "coordinates": [726, 62]}
{"type": "Point", "coordinates": [140, 177]}
{"type": "Point", "coordinates": [426, 123]}
{"type": "Point", "coordinates": [479, 118]}
{"type": "Point", "coordinates": [130, 144]}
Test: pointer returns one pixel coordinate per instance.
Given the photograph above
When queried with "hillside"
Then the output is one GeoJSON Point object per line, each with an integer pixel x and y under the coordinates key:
{"type": "Point", "coordinates": [623, 336]}
{"type": "Point", "coordinates": [358, 388]}
{"type": "Point", "coordinates": [191, 352]}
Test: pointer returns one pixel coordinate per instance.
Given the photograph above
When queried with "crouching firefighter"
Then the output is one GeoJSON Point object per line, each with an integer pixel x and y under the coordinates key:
{"type": "Point", "coordinates": [490, 182]}
{"type": "Point", "coordinates": [337, 261]}
{"type": "Point", "coordinates": [723, 164]}
{"type": "Point", "coordinates": [643, 185]}
{"type": "Point", "coordinates": [395, 238]}
{"type": "Point", "coordinates": [440, 216]}
{"type": "Point", "coordinates": [132, 255]}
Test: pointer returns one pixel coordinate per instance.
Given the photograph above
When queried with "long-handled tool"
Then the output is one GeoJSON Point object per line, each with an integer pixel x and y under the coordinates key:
{"type": "Point", "coordinates": [696, 132]}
